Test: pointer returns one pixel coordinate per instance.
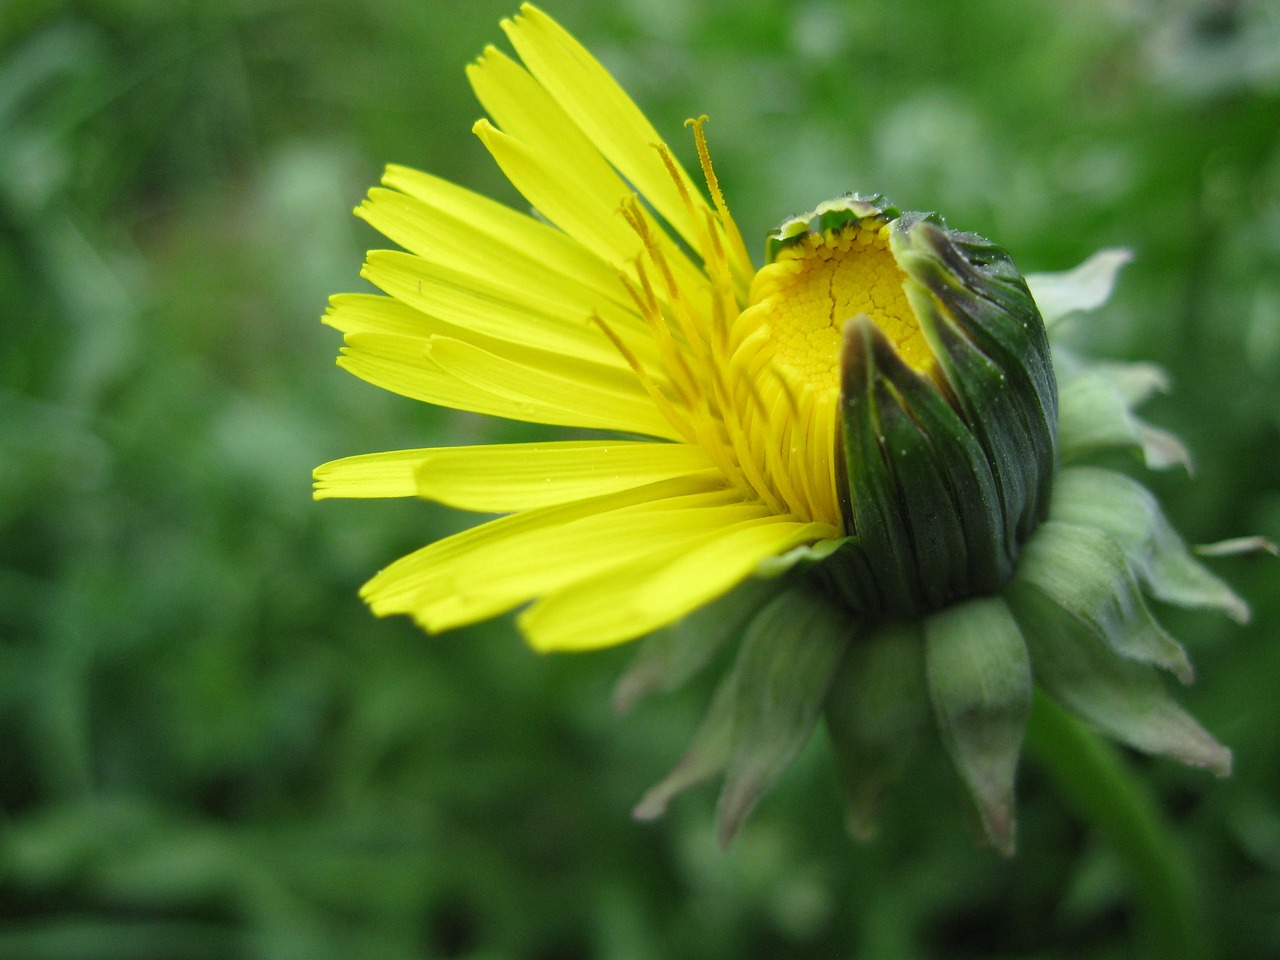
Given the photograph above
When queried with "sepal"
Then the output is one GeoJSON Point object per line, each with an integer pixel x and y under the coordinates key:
{"type": "Point", "coordinates": [706, 756]}
{"type": "Point", "coordinates": [1079, 290]}
{"type": "Point", "coordinates": [800, 559]}
{"type": "Point", "coordinates": [987, 301]}
{"type": "Point", "coordinates": [948, 469]}
{"type": "Point", "coordinates": [1137, 382]}
{"type": "Point", "coordinates": [1083, 573]}
{"type": "Point", "coordinates": [670, 657]}
{"type": "Point", "coordinates": [1096, 414]}
{"type": "Point", "coordinates": [979, 678]}
{"type": "Point", "coordinates": [765, 710]}
{"type": "Point", "coordinates": [1130, 514]}
{"type": "Point", "coordinates": [876, 712]}
{"type": "Point", "coordinates": [923, 502]}
{"type": "Point", "coordinates": [827, 216]}
{"type": "Point", "coordinates": [1120, 698]}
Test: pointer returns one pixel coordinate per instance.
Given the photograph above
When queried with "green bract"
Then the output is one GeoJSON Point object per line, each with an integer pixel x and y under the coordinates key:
{"type": "Point", "coordinates": [947, 470]}
{"type": "Point", "coordinates": [983, 562]}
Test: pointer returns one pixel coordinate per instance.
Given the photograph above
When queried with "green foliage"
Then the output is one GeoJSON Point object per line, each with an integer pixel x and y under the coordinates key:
{"type": "Point", "coordinates": [211, 750]}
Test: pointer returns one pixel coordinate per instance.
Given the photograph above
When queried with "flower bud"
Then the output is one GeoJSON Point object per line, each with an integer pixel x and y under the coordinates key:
{"type": "Point", "coordinates": [949, 416]}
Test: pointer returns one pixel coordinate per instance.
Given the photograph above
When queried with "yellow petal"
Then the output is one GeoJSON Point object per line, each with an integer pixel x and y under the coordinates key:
{"type": "Point", "coordinates": [472, 303]}
{"type": "Point", "coordinates": [370, 313]}
{"type": "Point", "coordinates": [485, 583]}
{"type": "Point", "coordinates": [591, 221]}
{"type": "Point", "coordinates": [595, 223]}
{"type": "Point", "coordinates": [630, 600]}
{"type": "Point", "coordinates": [604, 112]}
{"type": "Point", "coordinates": [499, 478]}
{"type": "Point", "coordinates": [393, 590]}
{"type": "Point", "coordinates": [492, 266]}
{"type": "Point", "coordinates": [387, 474]}
{"type": "Point", "coordinates": [591, 394]}
{"type": "Point", "coordinates": [528, 385]}
{"type": "Point", "coordinates": [503, 478]}
{"type": "Point", "coordinates": [402, 365]}
{"type": "Point", "coordinates": [362, 313]}
{"type": "Point", "coordinates": [523, 110]}
{"type": "Point", "coordinates": [539, 244]}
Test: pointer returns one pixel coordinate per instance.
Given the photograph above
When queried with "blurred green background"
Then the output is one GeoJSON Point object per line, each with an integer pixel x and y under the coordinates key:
{"type": "Point", "coordinates": [208, 748]}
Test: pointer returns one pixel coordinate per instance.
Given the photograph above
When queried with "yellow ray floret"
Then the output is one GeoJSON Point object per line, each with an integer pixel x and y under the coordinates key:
{"type": "Point", "coordinates": [504, 478]}
{"type": "Point", "coordinates": [611, 312]}
{"type": "Point", "coordinates": [630, 599]}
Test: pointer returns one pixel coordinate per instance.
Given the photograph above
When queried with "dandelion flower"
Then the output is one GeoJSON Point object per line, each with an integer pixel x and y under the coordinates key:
{"type": "Point", "coordinates": [856, 462]}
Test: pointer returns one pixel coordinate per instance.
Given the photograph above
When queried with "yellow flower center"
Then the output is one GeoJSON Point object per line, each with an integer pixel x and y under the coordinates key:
{"type": "Point", "coordinates": [786, 348]}
{"type": "Point", "coordinates": [818, 284]}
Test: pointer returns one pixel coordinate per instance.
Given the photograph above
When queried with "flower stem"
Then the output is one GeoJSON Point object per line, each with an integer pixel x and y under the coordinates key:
{"type": "Point", "coordinates": [1094, 778]}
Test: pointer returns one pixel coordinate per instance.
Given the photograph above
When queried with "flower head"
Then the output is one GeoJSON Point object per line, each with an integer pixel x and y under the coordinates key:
{"type": "Point", "coordinates": [847, 460]}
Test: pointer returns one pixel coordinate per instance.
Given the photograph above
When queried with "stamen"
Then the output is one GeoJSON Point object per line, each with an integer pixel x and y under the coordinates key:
{"type": "Point", "coordinates": [759, 483]}
{"type": "Point", "coordinates": [636, 219]}
{"type": "Point", "coordinates": [743, 264]}
{"type": "Point", "coordinates": [630, 211]}
{"type": "Point", "coordinates": [674, 171]}
{"type": "Point", "coordinates": [711, 345]}
{"type": "Point", "coordinates": [749, 383]}
{"type": "Point", "coordinates": [714, 445]}
{"type": "Point", "coordinates": [754, 422]}
{"type": "Point", "coordinates": [778, 444]}
{"type": "Point", "coordinates": [800, 456]}
{"type": "Point", "coordinates": [704, 414]}
{"type": "Point", "coordinates": [825, 462]}
{"type": "Point", "coordinates": [704, 158]}
{"type": "Point", "coordinates": [650, 296]}
{"type": "Point", "coordinates": [705, 224]}
{"type": "Point", "coordinates": [685, 320]}
{"type": "Point", "coordinates": [683, 378]}
{"type": "Point", "coordinates": [784, 385]}
{"type": "Point", "coordinates": [724, 304]}
{"type": "Point", "coordinates": [660, 399]}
